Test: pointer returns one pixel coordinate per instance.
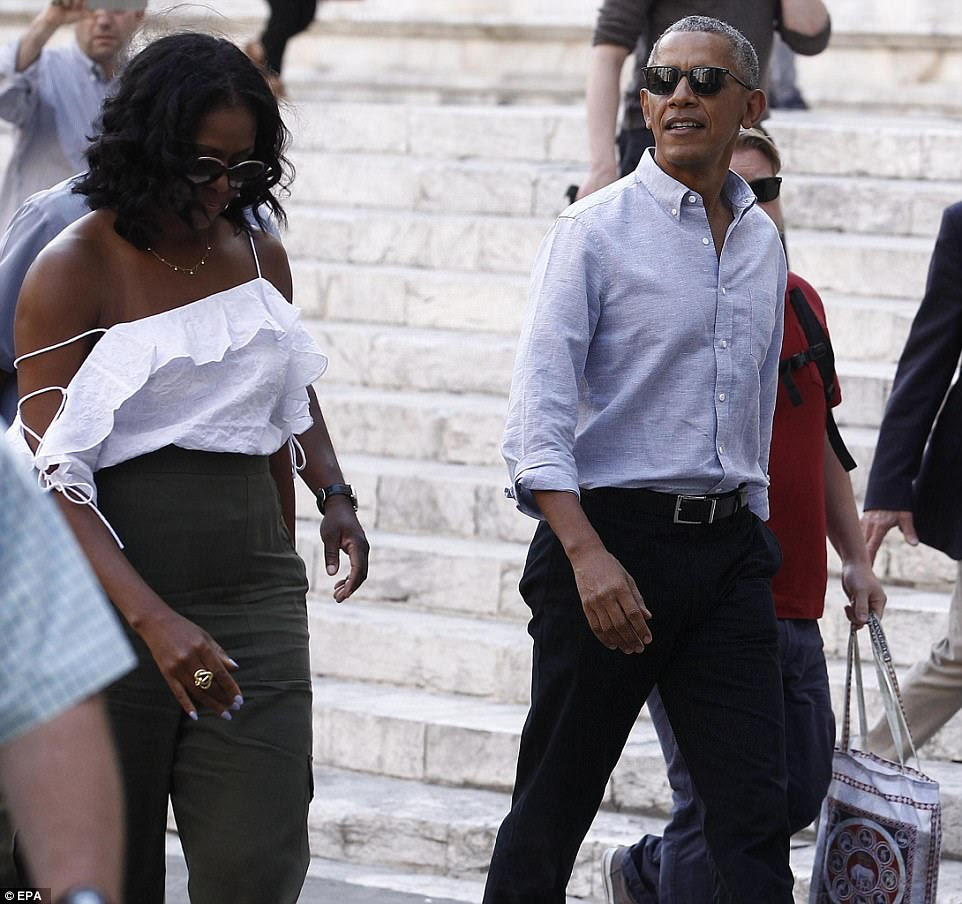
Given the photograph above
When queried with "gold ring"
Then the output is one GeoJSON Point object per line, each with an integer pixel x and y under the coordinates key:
{"type": "Point", "coordinates": [203, 679]}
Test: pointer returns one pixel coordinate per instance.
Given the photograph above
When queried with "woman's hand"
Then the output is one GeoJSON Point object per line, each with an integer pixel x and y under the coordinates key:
{"type": "Point", "coordinates": [181, 649]}
{"type": "Point", "coordinates": [340, 530]}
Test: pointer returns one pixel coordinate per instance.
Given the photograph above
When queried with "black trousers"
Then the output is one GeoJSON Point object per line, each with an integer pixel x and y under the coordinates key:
{"type": "Point", "coordinates": [287, 18]}
{"type": "Point", "coordinates": [714, 655]}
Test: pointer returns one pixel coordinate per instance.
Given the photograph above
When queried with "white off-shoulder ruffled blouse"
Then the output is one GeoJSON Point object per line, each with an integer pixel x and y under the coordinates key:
{"type": "Point", "coordinates": [225, 373]}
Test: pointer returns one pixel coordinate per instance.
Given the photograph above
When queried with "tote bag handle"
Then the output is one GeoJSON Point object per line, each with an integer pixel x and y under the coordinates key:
{"type": "Point", "coordinates": [889, 687]}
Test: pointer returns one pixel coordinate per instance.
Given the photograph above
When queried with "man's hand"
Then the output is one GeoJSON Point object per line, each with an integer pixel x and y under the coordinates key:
{"type": "Point", "coordinates": [876, 523]}
{"type": "Point", "coordinates": [864, 592]}
{"type": "Point", "coordinates": [65, 12]}
{"type": "Point", "coordinates": [613, 606]}
{"type": "Point", "coordinates": [43, 27]}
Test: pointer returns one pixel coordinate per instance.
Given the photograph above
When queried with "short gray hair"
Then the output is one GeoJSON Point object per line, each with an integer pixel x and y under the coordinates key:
{"type": "Point", "coordinates": [744, 58]}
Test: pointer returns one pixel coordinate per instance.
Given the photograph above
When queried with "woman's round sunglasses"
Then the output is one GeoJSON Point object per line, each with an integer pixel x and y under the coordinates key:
{"type": "Point", "coordinates": [703, 80]}
{"type": "Point", "coordinates": [204, 170]}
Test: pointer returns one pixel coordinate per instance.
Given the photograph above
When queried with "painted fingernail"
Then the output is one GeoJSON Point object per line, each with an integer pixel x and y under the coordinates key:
{"type": "Point", "coordinates": [193, 715]}
{"type": "Point", "coordinates": [332, 569]}
{"type": "Point", "coordinates": [238, 703]}
{"type": "Point", "coordinates": [226, 715]}
{"type": "Point", "coordinates": [234, 664]}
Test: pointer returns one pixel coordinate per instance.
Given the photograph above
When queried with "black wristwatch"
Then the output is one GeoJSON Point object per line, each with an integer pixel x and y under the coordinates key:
{"type": "Point", "coordinates": [82, 895]}
{"type": "Point", "coordinates": [335, 489]}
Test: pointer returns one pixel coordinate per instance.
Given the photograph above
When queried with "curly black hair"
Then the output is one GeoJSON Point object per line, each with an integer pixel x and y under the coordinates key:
{"type": "Point", "coordinates": [148, 126]}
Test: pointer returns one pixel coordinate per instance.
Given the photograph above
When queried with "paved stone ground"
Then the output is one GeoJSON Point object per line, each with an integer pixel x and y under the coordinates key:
{"type": "Point", "coordinates": [318, 889]}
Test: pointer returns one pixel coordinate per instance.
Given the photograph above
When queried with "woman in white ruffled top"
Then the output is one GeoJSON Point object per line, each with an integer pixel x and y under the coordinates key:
{"type": "Point", "coordinates": [164, 380]}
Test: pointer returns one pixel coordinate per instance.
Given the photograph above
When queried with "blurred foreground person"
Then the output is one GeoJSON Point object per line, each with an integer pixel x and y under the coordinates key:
{"type": "Point", "coordinates": [59, 645]}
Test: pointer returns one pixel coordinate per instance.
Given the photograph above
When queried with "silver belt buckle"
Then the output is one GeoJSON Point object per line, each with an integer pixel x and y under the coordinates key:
{"type": "Point", "coordinates": [711, 513]}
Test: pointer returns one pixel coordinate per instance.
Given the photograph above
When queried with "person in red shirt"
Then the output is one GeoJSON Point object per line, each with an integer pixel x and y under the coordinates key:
{"type": "Point", "coordinates": [810, 496]}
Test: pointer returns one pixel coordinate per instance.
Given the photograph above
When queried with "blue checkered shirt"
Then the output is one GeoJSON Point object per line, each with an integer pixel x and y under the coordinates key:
{"type": "Point", "coordinates": [60, 640]}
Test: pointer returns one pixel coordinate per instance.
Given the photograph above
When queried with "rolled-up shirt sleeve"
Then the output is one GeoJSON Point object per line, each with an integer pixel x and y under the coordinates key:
{"type": "Point", "coordinates": [18, 90]}
{"type": "Point", "coordinates": [562, 312]}
{"type": "Point", "coordinates": [807, 45]}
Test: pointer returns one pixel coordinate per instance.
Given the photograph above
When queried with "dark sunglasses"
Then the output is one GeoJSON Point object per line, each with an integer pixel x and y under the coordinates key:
{"type": "Point", "coordinates": [703, 80]}
{"type": "Point", "coordinates": [766, 189]}
{"type": "Point", "coordinates": [204, 170]}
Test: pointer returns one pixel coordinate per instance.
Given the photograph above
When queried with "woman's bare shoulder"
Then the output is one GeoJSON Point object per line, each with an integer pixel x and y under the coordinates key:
{"type": "Point", "coordinates": [64, 286]}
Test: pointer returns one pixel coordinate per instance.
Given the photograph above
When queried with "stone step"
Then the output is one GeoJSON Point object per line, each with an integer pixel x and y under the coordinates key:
{"type": "Point", "coordinates": [467, 501]}
{"type": "Point", "coordinates": [487, 655]}
{"type": "Point", "coordinates": [877, 266]}
{"type": "Point", "coordinates": [343, 882]}
{"type": "Point", "coordinates": [411, 496]}
{"type": "Point", "coordinates": [439, 303]}
{"type": "Point", "coordinates": [403, 824]}
{"type": "Point", "coordinates": [409, 358]}
{"type": "Point", "coordinates": [926, 67]}
{"type": "Point", "coordinates": [466, 428]}
{"type": "Point", "coordinates": [887, 207]}
{"type": "Point", "coordinates": [449, 739]}
{"type": "Point", "coordinates": [521, 188]}
{"type": "Point", "coordinates": [868, 329]}
{"type": "Point", "coordinates": [876, 145]}
{"type": "Point", "coordinates": [458, 429]}
{"type": "Point", "coordinates": [433, 240]}
{"type": "Point", "coordinates": [411, 500]}
{"type": "Point", "coordinates": [450, 654]}
{"type": "Point", "coordinates": [411, 572]}
{"type": "Point", "coordinates": [811, 142]}
{"type": "Point", "coordinates": [502, 52]}
{"type": "Point", "coordinates": [435, 361]}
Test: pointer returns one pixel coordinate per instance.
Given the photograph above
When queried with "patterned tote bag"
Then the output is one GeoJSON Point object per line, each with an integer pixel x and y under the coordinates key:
{"type": "Point", "coordinates": [880, 829]}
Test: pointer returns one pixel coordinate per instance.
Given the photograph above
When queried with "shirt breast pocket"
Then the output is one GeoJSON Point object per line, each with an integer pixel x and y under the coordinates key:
{"type": "Point", "coordinates": [762, 307]}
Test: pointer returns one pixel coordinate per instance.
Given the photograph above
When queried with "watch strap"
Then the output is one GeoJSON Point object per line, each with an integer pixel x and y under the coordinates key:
{"type": "Point", "coordinates": [335, 489]}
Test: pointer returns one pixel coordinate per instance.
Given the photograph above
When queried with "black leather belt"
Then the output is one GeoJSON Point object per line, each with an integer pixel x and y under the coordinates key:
{"type": "Point", "coordinates": [684, 508]}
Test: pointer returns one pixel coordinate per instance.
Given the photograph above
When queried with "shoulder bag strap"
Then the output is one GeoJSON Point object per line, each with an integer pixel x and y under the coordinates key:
{"type": "Point", "coordinates": [854, 665]}
{"type": "Point", "coordinates": [891, 695]}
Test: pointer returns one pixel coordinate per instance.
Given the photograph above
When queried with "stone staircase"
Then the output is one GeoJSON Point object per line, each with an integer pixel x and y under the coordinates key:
{"type": "Point", "coordinates": [434, 142]}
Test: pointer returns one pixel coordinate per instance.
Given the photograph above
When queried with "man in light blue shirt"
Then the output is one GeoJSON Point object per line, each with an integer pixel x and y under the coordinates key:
{"type": "Point", "coordinates": [638, 432]}
{"type": "Point", "coordinates": [53, 96]}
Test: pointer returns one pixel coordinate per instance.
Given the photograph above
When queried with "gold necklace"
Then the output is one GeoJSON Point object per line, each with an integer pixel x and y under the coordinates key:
{"type": "Point", "coordinates": [189, 271]}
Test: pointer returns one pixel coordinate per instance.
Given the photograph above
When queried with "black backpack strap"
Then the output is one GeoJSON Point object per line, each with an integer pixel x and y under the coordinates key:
{"type": "Point", "coordinates": [819, 352]}
{"type": "Point", "coordinates": [785, 369]}
{"type": "Point", "coordinates": [838, 444]}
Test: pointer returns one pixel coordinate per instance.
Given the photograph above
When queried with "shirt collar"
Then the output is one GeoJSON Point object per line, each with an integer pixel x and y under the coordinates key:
{"type": "Point", "coordinates": [91, 67]}
{"type": "Point", "coordinates": [672, 195]}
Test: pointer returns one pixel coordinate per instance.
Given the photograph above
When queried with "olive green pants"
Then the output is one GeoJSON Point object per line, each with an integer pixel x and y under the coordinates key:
{"type": "Point", "coordinates": [204, 530]}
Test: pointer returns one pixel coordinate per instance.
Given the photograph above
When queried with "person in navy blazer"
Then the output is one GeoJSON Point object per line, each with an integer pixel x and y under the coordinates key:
{"type": "Point", "coordinates": [916, 478]}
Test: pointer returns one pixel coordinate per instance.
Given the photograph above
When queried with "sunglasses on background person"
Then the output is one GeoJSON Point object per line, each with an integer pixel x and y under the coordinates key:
{"type": "Point", "coordinates": [204, 170]}
{"type": "Point", "coordinates": [703, 80]}
{"type": "Point", "coordinates": [766, 189]}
